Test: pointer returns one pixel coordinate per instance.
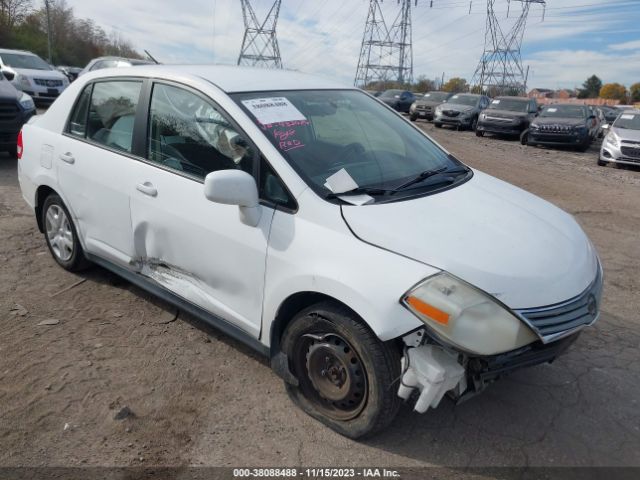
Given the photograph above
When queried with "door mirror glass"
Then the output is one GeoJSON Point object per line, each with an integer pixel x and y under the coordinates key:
{"type": "Point", "coordinates": [8, 75]}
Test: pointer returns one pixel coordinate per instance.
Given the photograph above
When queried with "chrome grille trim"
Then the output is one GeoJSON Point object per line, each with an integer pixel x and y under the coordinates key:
{"type": "Point", "coordinates": [562, 319]}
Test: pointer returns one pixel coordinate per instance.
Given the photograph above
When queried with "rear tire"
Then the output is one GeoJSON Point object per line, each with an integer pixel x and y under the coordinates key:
{"type": "Point", "coordinates": [61, 235]}
{"type": "Point", "coordinates": [345, 372]}
{"type": "Point", "coordinates": [437, 125]}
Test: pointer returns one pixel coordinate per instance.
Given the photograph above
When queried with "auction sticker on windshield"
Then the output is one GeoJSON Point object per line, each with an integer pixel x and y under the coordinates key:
{"type": "Point", "coordinates": [273, 110]}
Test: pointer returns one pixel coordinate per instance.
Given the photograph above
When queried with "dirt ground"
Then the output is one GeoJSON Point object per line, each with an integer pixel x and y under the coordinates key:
{"type": "Point", "coordinates": [200, 398]}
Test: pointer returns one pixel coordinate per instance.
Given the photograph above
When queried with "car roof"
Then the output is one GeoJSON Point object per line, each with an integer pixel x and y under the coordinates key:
{"type": "Point", "coordinates": [233, 79]}
{"type": "Point", "coordinates": [9, 50]}
{"type": "Point", "coordinates": [513, 97]}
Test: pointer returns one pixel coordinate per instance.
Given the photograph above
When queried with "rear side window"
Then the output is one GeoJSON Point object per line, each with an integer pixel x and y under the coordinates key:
{"type": "Point", "coordinates": [112, 113]}
{"type": "Point", "coordinates": [78, 121]}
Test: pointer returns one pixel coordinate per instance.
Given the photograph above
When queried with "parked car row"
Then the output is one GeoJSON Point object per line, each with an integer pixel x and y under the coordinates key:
{"type": "Point", "coordinates": [567, 125]}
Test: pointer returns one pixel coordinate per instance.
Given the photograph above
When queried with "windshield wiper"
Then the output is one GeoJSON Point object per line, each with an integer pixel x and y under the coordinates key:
{"type": "Point", "coordinates": [372, 191]}
{"type": "Point", "coordinates": [427, 174]}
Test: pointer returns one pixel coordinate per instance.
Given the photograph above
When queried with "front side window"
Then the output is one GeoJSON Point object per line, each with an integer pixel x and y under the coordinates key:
{"type": "Point", "coordinates": [78, 120]}
{"type": "Point", "coordinates": [322, 132]}
{"type": "Point", "coordinates": [187, 133]}
{"type": "Point", "coordinates": [112, 113]}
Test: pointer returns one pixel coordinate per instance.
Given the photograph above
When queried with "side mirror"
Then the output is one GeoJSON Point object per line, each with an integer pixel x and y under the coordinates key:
{"type": "Point", "coordinates": [8, 75]}
{"type": "Point", "coordinates": [235, 187]}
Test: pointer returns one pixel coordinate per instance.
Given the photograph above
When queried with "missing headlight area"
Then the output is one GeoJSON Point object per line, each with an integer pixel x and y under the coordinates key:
{"type": "Point", "coordinates": [432, 370]}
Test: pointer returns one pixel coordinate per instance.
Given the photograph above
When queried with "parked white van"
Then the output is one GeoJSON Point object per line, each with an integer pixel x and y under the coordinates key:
{"type": "Point", "coordinates": [31, 74]}
{"type": "Point", "coordinates": [315, 224]}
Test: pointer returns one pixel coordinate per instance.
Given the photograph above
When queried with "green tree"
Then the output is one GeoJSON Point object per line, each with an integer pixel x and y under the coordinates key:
{"type": "Point", "coordinates": [634, 92]}
{"type": "Point", "coordinates": [590, 88]}
{"type": "Point", "coordinates": [456, 85]}
{"type": "Point", "coordinates": [613, 91]}
{"type": "Point", "coordinates": [424, 84]}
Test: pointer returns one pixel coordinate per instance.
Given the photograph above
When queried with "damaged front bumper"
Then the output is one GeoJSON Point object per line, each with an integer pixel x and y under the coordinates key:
{"type": "Point", "coordinates": [432, 370]}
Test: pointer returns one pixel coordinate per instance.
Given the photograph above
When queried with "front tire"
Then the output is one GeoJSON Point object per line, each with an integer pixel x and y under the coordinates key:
{"type": "Point", "coordinates": [437, 125]}
{"type": "Point", "coordinates": [602, 163]}
{"type": "Point", "coordinates": [345, 372]}
{"type": "Point", "coordinates": [61, 235]}
{"type": "Point", "coordinates": [413, 117]}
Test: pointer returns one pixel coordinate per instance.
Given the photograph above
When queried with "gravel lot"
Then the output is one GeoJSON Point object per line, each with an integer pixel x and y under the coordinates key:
{"type": "Point", "coordinates": [199, 398]}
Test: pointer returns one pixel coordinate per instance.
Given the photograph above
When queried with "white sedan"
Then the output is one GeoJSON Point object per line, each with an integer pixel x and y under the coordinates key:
{"type": "Point", "coordinates": [313, 223]}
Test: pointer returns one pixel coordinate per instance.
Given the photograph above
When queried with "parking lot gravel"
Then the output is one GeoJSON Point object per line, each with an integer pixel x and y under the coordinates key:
{"type": "Point", "coordinates": [93, 371]}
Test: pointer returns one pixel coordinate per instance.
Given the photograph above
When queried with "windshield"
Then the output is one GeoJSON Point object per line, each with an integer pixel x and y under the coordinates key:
{"type": "Point", "coordinates": [629, 121]}
{"type": "Point", "coordinates": [510, 104]}
{"type": "Point", "coordinates": [464, 100]}
{"type": "Point", "coordinates": [18, 60]}
{"type": "Point", "coordinates": [436, 96]}
{"type": "Point", "coordinates": [564, 111]}
{"type": "Point", "coordinates": [322, 132]}
{"type": "Point", "coordinates": [391, 93]}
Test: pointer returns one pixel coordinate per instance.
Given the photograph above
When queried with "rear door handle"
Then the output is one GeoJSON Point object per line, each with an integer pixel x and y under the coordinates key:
{"type": "Point", "coordinates": [147, 188]}
{"type": "Point", "coordinates": [67, 158]}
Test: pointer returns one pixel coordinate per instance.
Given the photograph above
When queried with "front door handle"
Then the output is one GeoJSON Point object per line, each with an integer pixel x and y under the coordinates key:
{"type": "Point", "coordinates": [67, 158]}
{"type": "Point", "coordinates": [147, 188]}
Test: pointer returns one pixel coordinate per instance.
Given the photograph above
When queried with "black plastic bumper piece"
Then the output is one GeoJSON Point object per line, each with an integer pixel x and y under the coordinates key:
{"type": "Point", "coordinates": [483, 371]}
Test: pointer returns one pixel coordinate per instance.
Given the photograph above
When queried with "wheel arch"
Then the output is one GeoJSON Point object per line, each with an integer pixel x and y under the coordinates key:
{"type": "Point", "coordinates": [42, 192]}
{"type": "Point", "coordinates": [291, 306]}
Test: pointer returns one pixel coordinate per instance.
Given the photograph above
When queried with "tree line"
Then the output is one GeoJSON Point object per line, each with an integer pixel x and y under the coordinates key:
{"type": "Point", "coordinates": [74, 41]}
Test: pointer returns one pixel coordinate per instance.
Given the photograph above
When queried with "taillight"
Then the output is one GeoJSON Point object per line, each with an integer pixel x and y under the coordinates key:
{"type": "Point", "coordinates": [19, 145]}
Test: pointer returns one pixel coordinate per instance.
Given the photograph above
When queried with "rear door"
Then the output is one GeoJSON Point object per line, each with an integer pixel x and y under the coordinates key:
{"type": "Point", "coordinates": [199, 250]}
{"type": "Point", "coordinates": [93, 162]}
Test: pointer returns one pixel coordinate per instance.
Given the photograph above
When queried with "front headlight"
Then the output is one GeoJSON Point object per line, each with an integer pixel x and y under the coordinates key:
{"type": "Point", "coordinates": [24, 81]}
{"type": "Point", "coordinates": [612, 140]}
{"type": "Point", "coordinates": [27, 102]}
{"type": "Point", "coordinates": [465, 317]}
{"type": "Point", "coordinates": [439, 109]}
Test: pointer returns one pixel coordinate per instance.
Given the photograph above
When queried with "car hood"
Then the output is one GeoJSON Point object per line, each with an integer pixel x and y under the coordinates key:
{"type": "Point", "coordinates": [573, 122]}
{"type": "Point", "coordinates": [504, 113]}
{"type": "Point", "coordinates": [429, 103]}
{"type": "Point", "coordinates": [8, 91]}
{"type": "Point", "coordinates": [45, 74]}
{"type": "Point", "coordinates": [627, 134]}
{"type": "Point", "coordinates": [457, 107]}
{"type": "Point", "coordinates": [519, 248]}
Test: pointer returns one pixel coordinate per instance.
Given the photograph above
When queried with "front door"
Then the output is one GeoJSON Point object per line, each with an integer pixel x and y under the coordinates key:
{"type": "Point", "coordinates": [199, 250]}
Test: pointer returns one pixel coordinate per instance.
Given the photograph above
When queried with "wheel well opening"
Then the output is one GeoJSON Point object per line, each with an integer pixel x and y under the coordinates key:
{"type": "Point", "coordinates": [292, 305]}
{"type": "Point", "coordinates": [42, 193]}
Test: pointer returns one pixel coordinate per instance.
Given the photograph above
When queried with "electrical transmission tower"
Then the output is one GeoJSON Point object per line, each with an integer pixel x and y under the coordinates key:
{"type": "Point", "coordinates": [386, 54]}
{"type": "Point", "coordinates": [500, 71]}
{"type": "Point", "coordinates": [260, 44]}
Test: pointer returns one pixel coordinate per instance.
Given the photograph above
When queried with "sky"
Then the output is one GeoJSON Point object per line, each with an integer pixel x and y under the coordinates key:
{"type": "Point", "coordinates": [577, 38]}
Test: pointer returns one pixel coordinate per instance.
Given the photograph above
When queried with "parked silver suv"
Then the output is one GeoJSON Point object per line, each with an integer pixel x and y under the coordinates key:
{"type": "Point", "coordinates": [461, 111]}
{"type": "Point", "coordinates": [622, 143]}
{"type": "Point", "coordinates": [31, 74]}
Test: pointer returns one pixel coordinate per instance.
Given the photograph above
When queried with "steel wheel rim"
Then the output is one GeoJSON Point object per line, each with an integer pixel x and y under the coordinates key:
{"type": "Point", "coordinates": [333, 375]}
{"type": "Point", "coordinates": [59, 232]}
